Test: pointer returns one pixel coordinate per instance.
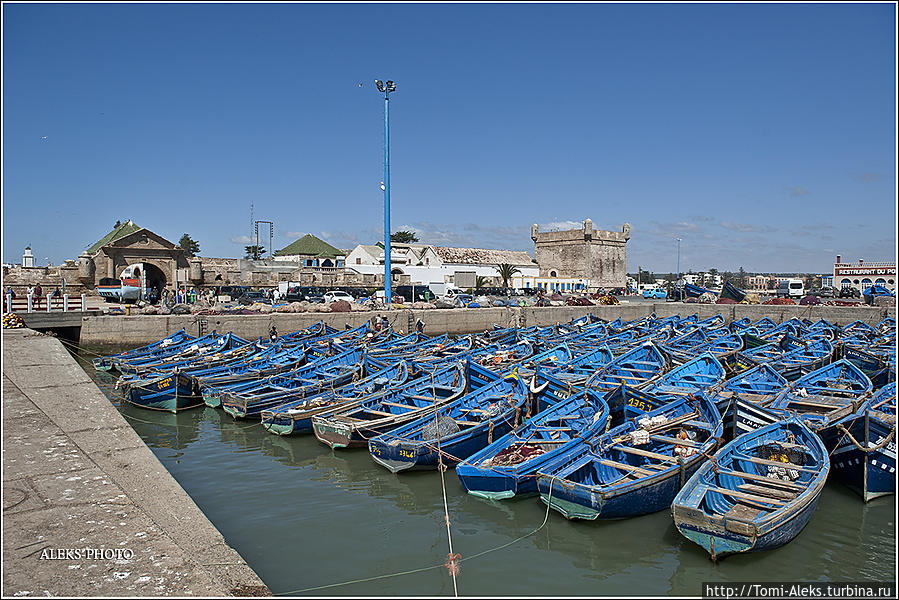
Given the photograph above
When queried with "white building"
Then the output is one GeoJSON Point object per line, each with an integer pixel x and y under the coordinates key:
{"type": "Point", "coordinates": [425, 263]}
{"type": "Point", "coordinates": [28, 257]}
{"type": "Point", "coordinates": [862, 275]}
{"type": "Point", "coordinates": [706, 280]}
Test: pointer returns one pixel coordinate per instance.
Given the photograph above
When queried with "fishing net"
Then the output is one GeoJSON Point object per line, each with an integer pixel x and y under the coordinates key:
{"type": "Point", "coordinates": [514, 455]}
{"type": "Point", "coordinates": [444, 426]}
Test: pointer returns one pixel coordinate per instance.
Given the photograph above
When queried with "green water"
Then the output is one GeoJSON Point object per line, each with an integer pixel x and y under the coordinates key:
{"type": "Point", "coordinates": [304, 516]}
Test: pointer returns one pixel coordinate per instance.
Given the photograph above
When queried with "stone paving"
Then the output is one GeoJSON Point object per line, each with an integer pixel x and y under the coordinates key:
{"type": "Point", "coordinates": [88, 510]}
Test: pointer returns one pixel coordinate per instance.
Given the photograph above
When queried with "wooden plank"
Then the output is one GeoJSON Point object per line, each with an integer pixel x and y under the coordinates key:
{"type": "Point", "coordinates": [776, 463]}
{"type": "Point", "coordinates": [744, 495]}
{"type": "Point", "coordinates": [766, 491]}
{"type": "Point", "coordinates": [626, 467]}
{"type": "Point", "coordinates": [646, 453]}
{"type": "Point", "coordinates": [397, 404]}
{"type": "Point", "coordinates": [675, 441]}
{"type": "Point", "coordinates": [768, 480]}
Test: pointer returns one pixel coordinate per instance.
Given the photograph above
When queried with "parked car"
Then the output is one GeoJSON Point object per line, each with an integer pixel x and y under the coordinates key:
{"type": "Point", "coordinates": [250, 297]}
{"type": "Point", "coordinates": [655, 293]}
{"type": "Point", "coordinates": [336, 295]}
{"type": "Point", "coordinates": [824, 292]}
{"type": "Point", "coordinates": [850, 292]}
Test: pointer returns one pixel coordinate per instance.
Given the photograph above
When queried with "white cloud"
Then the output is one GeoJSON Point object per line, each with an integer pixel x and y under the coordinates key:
{"type": "Point", "coordinates": [241, 239]}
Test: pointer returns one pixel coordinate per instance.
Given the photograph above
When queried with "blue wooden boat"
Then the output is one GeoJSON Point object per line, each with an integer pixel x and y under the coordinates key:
{"type": "Point", "coordinates": [106, 363]}
{"type": "Point", "coordinates": [757, 493]}
{"type": "Point", "coordinates": [863, 449]}
{"type": "Point", "coordinates": [731, 291]}
{"type": "Point", "coordinates": [456, 430]}
{"type": "Point", "coordinates": [296, 416]}
{"type": "Point", "coordinates": [577, 370]}
{"type": "Point", "coordinates": [506, 467]}
{"type": "Point", "coordinates": [700, 373]}
{"type": "Point", "coordinates": [312, 378]}
{"type": "Point", "coordinates": [695, 291]}
{"type": "Point", "coordinates": [825, 396]}
{"type": "Point", "coordinates": [244, 376]}
{"type": "Point", "coordinates": [758, 386]}
{"type": "Point", "coordinates": [636, 368]}
{"type": "Point", "coordinates": [161, 360]}
{"type": "Point", "coordinates": [636, 468]}
{"type": "Point", "coordinates": [374, 416]}
{"type": "Point", "coordinates": [172, 392]}
{"type": "Point", "coordinates": [125, 364]}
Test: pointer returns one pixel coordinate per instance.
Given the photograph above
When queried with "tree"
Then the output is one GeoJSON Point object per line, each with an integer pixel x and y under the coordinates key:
{"type": "Point", "coordinates": [117, 223]}
{"type": "Point", "coordinates": [190, 246]}
{"type": "Point", "coordinates": [479, 282]}
{"type": "Point", "coordinates": [741, 278]}
{"type": "Point", "coordinates": [506, 271]}
{"type": "Point", "coordinates": [253, 251]}
{"type": "Point", "coordinates": [403, 237]}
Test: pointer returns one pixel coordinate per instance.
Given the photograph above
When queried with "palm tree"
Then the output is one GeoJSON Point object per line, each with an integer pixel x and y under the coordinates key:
{"type": "Point", "coordinates": [506, 271]}
{"type": "Point", "coordinates": [479, 282]}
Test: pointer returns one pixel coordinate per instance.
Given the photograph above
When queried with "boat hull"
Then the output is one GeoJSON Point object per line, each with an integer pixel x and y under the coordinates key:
{"type": "Point", "coordinates": [175, 392]}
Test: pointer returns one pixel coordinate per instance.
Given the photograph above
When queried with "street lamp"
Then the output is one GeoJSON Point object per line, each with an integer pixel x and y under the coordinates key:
{"type": "Point", "coordinates": [386, 89]}
{"type": "Point", "coordinates": [677, 281]}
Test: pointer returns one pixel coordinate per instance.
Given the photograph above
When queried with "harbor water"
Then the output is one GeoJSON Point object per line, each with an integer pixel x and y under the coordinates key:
{"type": "Point", "coordinates": [312, 521]}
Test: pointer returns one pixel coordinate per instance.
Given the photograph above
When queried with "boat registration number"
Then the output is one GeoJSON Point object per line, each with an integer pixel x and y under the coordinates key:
{"type": "Point", "coordinates": [164, 383]}
{"type": "Point", "coordinates": [641, 404]}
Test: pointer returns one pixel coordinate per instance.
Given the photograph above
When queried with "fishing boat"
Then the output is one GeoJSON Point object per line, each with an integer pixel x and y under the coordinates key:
{"type": "Point", "coordinates": [106, 363]}
{"type": "Point", "coordinates": [331, 372]}
{"type": "Point", "coordinates": [455, 430]}
{"type": "Point", "coordinates": [636, 368]}
{"type": "Point", "coordinates": [695, 291]}
{"type": "Point", "coordinates": [506, 467]}
{"type": "Point", "coordinates": [702, 372]}
{"type": "Point", "coordinates": [825, 396]}
{"type": "Point", "coordinates": [731, 291]}
{"type": "Point", "coordinates": [172, 392]}
{"type": "Point", "coordinates": [577, 370]}
{"type": "Point", "coordinates": [863, 449]}
{"type": "Point", "coordinates": [374, 416]}
{"type": "Point", "coordinates": [756, 387]}
{"type": "Point", "coordinates": [636, 468]}
{"type": "Point", "coordinates": [162, 359]}
{"type": "Point", "coordinates": [757, 493]}
{"type": "Point", "coordinates": [296, 416]}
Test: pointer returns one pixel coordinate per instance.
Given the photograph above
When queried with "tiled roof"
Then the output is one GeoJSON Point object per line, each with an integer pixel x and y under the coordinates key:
{"type": "Point", "coordinates": [480, 256]}
{"type": "Point", "coordinates": [123, 229]}
{"type": "Point", "coordinates": [309, 245]}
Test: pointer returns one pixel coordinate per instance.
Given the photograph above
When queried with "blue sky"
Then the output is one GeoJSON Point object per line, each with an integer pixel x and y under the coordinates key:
{"type": "Point", "coordinates": [763, 135]}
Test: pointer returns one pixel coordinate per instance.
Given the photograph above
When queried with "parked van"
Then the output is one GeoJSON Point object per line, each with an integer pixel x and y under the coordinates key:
{"type": "Point", "coordinates": [790, 288]}
{"type": "Point", "coordinates": [444, 291]}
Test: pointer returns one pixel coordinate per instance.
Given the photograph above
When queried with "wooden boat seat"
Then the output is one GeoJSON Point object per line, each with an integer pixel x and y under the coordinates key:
{"type": "Point", "coordinates": [646, 453]}
{"type": "Point", "coordinates": [745, 496]}
{"type": "Point", "coordinates": [464, 422]}
{"type": "Point", "coordinates": [766, 491]}
{"type": "Point", "coordinates": [379, 412]}
{"type": "Point", "coordinates": [676, 441]}
{"type": "Point", "coordinates": [762, 478]}
{"type": "Point", "coordinates": [624, 467]}
{"type": "Point", "coordinates": [397, 404]}
{"type": "Point", "coordinates": [741, 512]}
{"type": "Point", "coordinates": [426, 398]}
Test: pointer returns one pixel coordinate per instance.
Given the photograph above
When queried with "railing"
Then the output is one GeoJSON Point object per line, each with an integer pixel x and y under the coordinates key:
{"type": "Point", "coordinates": [866, 264]}
{"type": "Point", "coordinates": [31, 303]}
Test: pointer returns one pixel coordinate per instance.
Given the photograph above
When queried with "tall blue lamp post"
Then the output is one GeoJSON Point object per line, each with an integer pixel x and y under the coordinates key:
{"type": "Point", "coordinates": [677, 281]}
{"type": "Point", "coordinates": [386, 88]}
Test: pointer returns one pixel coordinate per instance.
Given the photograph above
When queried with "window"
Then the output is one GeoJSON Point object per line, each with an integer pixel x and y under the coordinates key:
{"type": "Point", "coordinates": [427, 260]}
{"type": "Point", "coordinates": [552, 273]}
{"type": "Point", "coordinates": [358, 261]}
{"type": "Point", "coordinates": [880, 281]}
{"type": "Point", "coordinates": [866, 281]}
{"type": "Point", "coordinates": [845, 283]}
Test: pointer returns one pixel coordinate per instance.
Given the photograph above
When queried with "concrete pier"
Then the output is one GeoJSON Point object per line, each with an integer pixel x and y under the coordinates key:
{"type": "Point", "coordinates": [88, 509]}
{"type": "Point", "coordinates": [136, 330]}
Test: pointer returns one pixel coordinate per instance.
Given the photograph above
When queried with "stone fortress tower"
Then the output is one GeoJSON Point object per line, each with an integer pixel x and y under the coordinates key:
{"type": "Point", "coordinates": [593, 254]}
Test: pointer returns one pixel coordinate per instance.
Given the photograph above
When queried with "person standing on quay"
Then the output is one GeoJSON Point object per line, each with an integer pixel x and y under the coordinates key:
{"type": "Point", "coordinates": [38, 292]}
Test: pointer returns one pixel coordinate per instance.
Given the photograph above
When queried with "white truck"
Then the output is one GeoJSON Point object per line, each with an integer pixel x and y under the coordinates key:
{"type": "Point", "coordinates": [445, 291]}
